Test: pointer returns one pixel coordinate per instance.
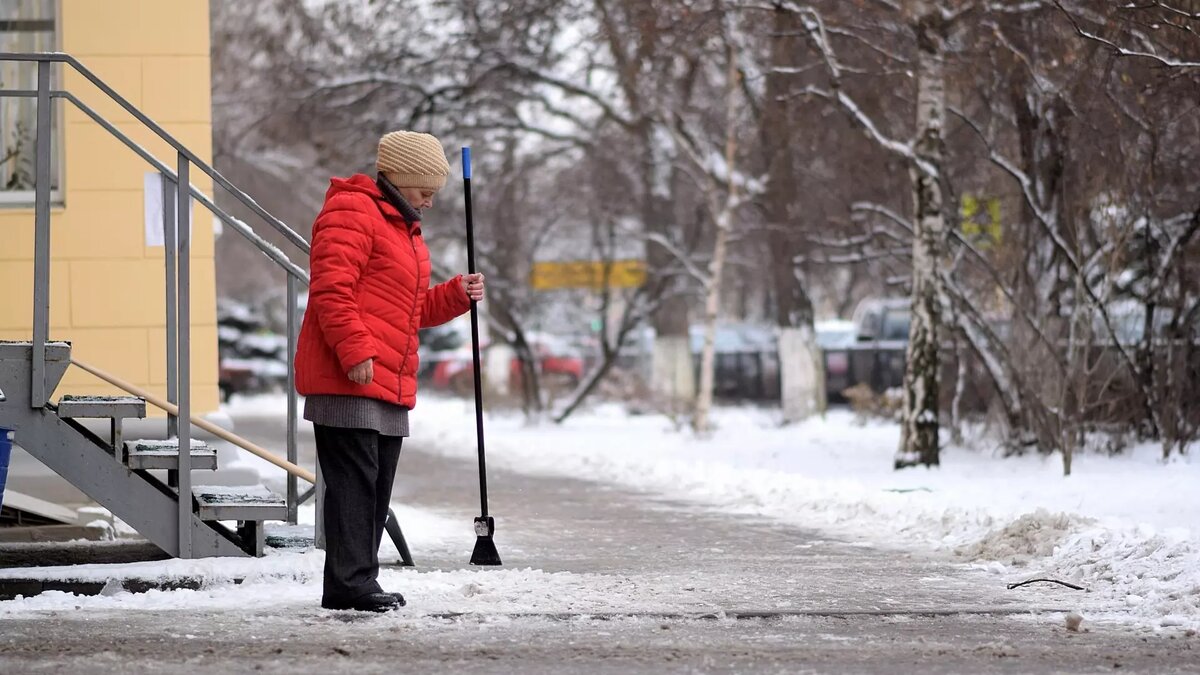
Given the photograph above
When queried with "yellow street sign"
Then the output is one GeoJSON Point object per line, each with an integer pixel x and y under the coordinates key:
{"type": "Point", "coordinates": [981, 220]}
{"type": "Point", "coordinates": [591, 274]}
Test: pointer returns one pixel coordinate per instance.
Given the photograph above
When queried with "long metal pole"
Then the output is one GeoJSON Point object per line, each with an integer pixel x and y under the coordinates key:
{"type": "Point", "coordinates": [183, 217]}
{"type": "Point", "coordinates": [483, 496]}
{"type": "Point", "coordinates": [170, 244]}
{"type": "Point", "coordinates": [293, 492]}
{"type": "Point", "coordinates": [41, 242]}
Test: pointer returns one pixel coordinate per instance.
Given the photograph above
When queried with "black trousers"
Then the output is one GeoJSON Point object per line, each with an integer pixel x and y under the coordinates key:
{"type": "Point", "coordinates": [358, 467]}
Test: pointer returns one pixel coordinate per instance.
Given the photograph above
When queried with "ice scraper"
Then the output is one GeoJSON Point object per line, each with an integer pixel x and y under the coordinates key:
{"type": "Point", "coordinates": [485, 552]}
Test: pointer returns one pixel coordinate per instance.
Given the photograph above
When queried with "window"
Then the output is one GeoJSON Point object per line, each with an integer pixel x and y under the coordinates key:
{"type": "Point", "coordinates": [896, 324]}
{"type": "Point", "coordinates": [25, 26]}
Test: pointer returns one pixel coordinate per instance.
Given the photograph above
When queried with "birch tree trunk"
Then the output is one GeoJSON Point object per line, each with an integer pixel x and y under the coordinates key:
{"type": "Point", "coordinates": [704, 398]}
{"type": "Point", "coordinates": [919, 425]}
{"type": "Point", "coordinates": [716, 267]}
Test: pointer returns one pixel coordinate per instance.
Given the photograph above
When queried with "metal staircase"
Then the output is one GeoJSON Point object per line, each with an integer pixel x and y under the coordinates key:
{"type": "Point", "coordinates": [146, 483]}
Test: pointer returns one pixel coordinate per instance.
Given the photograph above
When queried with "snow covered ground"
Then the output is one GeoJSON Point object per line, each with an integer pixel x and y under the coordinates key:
{"type": "Point", "coordinates": [1125, 527]}
{"type": "Point", "coordinates": [292, 580]}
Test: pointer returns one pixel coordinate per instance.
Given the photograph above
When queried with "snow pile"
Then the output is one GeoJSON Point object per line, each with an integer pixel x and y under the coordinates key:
{"type": "Point", "coordinates": [1154, 575]}
{"type": "Point", "coordinates": [1119, 525]}
{"type": "Point", "coordinates": [1029, 537]}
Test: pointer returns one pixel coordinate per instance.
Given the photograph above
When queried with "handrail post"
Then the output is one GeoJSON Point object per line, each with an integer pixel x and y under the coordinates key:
{"type": "Point", "coordinates": [293, 494]}
{"type": "Point", "coordinates": [183, 218]}
{"type": "Point", "coordinates": [170, 245]}
{"type": "Point", "coordinates": [41, 247]}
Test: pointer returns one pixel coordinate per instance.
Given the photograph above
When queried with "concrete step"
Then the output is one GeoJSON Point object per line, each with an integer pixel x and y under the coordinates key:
{"type": "Point", "coordinates": [16, 364]}
{"type": "Point", "coordinates": [292, 537]}
{"type": "Point", "coordinates": [112, 407]}
{"type": "Point", "coordinates": [239, 502]}
{"type": "Point", "coordinates": [164, 454]}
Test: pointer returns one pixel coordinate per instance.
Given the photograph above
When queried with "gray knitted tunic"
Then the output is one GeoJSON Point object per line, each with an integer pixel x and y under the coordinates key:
{"type": "Point", "coordinates": [357, 412]}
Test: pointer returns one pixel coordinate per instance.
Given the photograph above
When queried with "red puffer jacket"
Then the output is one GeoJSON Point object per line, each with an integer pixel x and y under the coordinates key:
{"type": "Point", "coordinates": [369, 295]}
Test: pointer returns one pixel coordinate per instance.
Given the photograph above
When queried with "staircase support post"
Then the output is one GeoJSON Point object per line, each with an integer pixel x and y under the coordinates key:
{"type": "Point", "coordinates": [41, 246]}
{"type": "Point", "coordinates": [184, 364]}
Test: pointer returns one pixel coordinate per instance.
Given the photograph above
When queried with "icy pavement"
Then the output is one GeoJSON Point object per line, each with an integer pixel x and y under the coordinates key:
{"type": "Point", "coordinates": [1123, 526]}
{"type": "Point", "coordinates": [597, 578]}
{"type": "Point", "coordinates": [570, 546]}
{"type": "Point", "coordinates": [256, 641]}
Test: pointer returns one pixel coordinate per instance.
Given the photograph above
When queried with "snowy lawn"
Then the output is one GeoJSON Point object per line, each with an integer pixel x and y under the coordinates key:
{"type": "Point", "coordinates": [1125, 526]}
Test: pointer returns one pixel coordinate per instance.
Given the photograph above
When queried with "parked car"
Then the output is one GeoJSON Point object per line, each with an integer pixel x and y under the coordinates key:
{"type": "Point", "coordinates": [835, 337]}
{"type": "Point", "coordinates": [451, 370]}
{"type": "Point", "coordinates": [835, 333]}
{"type": "Point", "coordinates": [883, 320]}
{"type": "Point", "coordinates": [745, 363]}
{"type": "Point", "coordinates": [869, 349]}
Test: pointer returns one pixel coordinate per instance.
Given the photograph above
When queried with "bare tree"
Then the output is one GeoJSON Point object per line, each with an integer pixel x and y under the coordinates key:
{"type": "Point", "coordinates": [919, 420]}
{"type": "Point", "coordinates": [720, 177]}
{"type": "Point", "coordinates": [924, 152]}
{"type": "Point", "coordinates": [864, 131]}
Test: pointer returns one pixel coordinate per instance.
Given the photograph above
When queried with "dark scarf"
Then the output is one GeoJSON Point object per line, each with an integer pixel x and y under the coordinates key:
{"type": "Point", "coordinates": [393, 197]}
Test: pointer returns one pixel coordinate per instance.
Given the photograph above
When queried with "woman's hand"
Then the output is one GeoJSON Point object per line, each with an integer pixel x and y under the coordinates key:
{"type": "Point", "coordinates": [473, 285]}
{"type": "Point", "coordinates": [363, 373]}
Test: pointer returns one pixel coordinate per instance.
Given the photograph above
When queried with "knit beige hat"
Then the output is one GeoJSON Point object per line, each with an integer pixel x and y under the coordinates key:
{"type": "Point", "coordinates": [411, 159]}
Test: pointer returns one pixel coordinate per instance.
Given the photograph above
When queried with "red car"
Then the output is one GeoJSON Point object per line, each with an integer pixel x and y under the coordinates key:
{"type": "Point", "coordinates": [560, 369]}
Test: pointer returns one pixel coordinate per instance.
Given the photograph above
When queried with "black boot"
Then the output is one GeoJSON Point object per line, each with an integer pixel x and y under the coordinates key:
{"type": "Point", "coordinates": [371, 602]}
{"type": "Point", "coordinates": [399, 598]}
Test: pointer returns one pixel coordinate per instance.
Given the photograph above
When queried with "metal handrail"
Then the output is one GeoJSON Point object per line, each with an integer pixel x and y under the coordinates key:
{"type": "Point", "coordinates": [271, 251]}
{"type": "Point", "coordinates": [177, 245]}
{"type": "Point", "coordinates": [279, 257]}
{"type": "Point", "coordinates": [247, 200]}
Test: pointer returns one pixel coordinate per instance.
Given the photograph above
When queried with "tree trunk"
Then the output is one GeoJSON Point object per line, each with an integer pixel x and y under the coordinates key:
{"type": "Point", "coordinates": [712, 302]}
{"type": "Point", "coordinates": [672, 378]}
{"type": "Point", "coordinates": [793, 305]}
{"type": "Point", "coordinates": [802, 372]}
{"type": "Point", "coordinates": [531, 375]}
{"type": "Point", "coordinates": [919, 424]}
{"type": "Point", "coordinates": [716, 269]}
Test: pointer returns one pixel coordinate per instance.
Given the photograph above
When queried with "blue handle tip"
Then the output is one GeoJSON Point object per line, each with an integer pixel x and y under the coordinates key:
{"type": "Point", "coordinates": [466, 160]}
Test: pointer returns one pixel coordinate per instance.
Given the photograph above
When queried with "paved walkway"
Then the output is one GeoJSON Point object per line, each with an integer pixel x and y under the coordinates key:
{"type": "Point", "coordinates": [824, 605]}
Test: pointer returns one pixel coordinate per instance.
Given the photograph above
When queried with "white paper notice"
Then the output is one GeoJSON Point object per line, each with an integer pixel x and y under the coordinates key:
{"type": "Point", "coordinates": [153, 200]}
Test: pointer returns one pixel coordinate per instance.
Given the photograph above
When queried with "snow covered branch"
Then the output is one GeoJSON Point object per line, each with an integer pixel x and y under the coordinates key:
{"type": "Point", "coordinates": [879, 209]}
{"type": "Point", "coordinates": [1167, 61]}
{"type": "Point", "coordinates": [902, 149]}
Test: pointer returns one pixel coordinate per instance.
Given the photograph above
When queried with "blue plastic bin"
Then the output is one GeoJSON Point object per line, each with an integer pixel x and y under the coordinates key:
{"type": "Point", "coordinates": [5, 452]}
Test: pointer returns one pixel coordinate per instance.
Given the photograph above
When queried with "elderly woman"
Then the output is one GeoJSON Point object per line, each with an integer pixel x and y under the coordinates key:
{"type": "Point", "coordinates": [356, 360]}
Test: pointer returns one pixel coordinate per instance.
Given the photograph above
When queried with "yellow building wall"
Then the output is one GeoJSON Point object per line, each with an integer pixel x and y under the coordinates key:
{"type": "Point", "coordinates": [107, 285]}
